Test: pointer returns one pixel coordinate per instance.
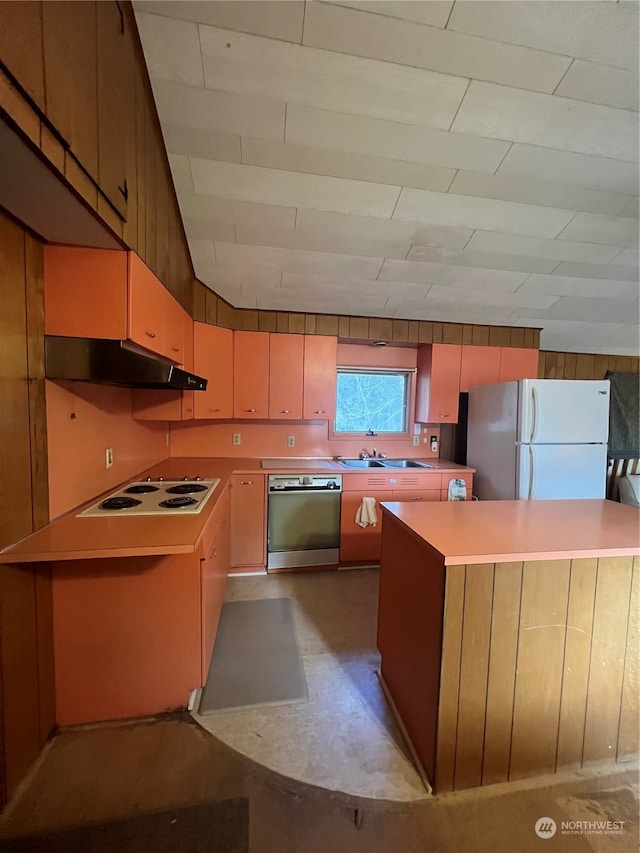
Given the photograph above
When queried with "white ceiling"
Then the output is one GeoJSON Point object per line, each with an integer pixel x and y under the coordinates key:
{"type": "Point", "coordinates": [463, 161]}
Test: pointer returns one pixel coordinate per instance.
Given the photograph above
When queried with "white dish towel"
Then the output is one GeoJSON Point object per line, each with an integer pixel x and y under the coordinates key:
{"type": "Point", "coordinates": [366, 512]}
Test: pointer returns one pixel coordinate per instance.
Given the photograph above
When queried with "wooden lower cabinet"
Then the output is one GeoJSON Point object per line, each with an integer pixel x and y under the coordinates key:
{"type": "Point", "coordinates": [248, 521]}
{"type": "Point", "coordinates": [360, 544]}
{"type": "Point", "coordinates": [214, 569]}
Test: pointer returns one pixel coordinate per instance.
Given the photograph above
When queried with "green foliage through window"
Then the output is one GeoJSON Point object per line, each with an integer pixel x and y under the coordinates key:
{"type": "Point", "coordinates": [373, 400]}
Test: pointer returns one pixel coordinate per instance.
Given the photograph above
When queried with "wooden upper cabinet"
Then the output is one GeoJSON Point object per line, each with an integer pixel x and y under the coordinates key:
{"type": "Point", "coordinates": [438, 383]}
{"type": "Point", "coordinates": [516, 363]}
{"type": "Point", "coordinates": [213, 359]}
{"type": "Point", "coordinates": [319, 384]}
{"type": "Point", "coordinates": [85, 292]}
{"type": "Point", "coordinates": [71, 76]}
{"type": "Point", "coordinates": [286, 353]}
{"type": "Point", "coordinates": [116, 104]}
{"type": "Point", "coordinates": [21, 46]}
{"type": "Point", "coordinates": [251, 375]}
{"type": "Point", "coordinates": [479, 366]}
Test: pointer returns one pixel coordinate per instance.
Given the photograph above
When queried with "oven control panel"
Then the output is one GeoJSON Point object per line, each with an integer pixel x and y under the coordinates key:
{"type": "Point", "coordinates": [303, 482]}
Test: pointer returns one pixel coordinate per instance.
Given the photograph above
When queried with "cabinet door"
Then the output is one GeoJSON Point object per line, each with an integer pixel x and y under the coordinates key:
{"type": "Point", "coordinates": [285, 376]}
{"type": "Point", "coordinates": [21, 46]}
{"type": "Point", "coordinates": [177, 333]}
{"type": "Point", "coordinates": [247, 522]}
{"type": "Point", "coordinates": [319, 384]}
{"type": "Point", "coordinates": [85, 292]}
{"type": "Point", "coordinates": [516, 363]}
{"type": "Point", "coordinates": [251, 375]}
{"type": "Point", "coordinates": [147, 306]}
{"type": "Point", "coordinates": [213, 359]}
{"type": "Point", "coordinates": [360, 544]}
{"type": "Point", "coordinates": [438, 383]}
{"type": "Point", "coordinates": [214, 569]}
{"type": "Point", "coordinates": [479, 366]}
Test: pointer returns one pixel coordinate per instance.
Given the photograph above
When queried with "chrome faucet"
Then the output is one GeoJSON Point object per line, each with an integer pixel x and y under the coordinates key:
{"type": "Point", "coordinates": [374, 454]}
{"type": "Point", "coordinates": [364, 455]}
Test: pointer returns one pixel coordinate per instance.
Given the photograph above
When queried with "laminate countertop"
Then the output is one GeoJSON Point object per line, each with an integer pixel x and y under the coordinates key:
{"type": "Point", "coordinates": [72, 538]}
{"type": "Point", "coordinates": [468, 532]}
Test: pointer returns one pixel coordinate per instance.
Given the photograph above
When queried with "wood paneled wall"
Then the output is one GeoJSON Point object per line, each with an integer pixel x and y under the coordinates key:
{"type": "Point", "coordinates": [74, 80]}
{"type": "Point", "coordinates": [26, 653]}
{"type": "Point", "coordinates": [572, 365]}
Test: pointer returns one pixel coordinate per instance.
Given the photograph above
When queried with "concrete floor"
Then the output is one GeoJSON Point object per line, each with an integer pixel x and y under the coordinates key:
{"type": "Point", "coordinates": [297, 803]}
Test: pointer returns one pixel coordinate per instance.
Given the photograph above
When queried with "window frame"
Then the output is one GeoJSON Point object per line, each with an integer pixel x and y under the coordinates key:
{"type": "Point", "coordinates": [409, 374]}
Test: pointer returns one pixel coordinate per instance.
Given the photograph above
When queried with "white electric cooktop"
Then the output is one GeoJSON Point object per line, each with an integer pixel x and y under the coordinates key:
{"type": "Point", "coordinates": [155, 497]}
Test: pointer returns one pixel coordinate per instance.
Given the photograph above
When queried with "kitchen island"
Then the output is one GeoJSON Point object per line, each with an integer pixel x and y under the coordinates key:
{"type": "Point", "coordinates": [509, 635]}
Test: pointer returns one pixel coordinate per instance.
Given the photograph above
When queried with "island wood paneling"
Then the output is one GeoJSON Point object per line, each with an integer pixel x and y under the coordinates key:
{"type": "Point", "coordinates": [538, 661]}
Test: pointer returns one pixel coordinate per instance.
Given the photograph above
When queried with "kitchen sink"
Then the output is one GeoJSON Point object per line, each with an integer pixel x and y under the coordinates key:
{"type": "Point", "coordinates": [383, 463]}
{"type": "Point", "coordinates": [405, 463]}
{"type": "Point", "coordinates": [361, 463]}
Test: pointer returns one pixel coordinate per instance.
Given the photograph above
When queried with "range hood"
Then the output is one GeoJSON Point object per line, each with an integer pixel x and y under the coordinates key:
{"type": "Point", "coordinates": [112, 362]}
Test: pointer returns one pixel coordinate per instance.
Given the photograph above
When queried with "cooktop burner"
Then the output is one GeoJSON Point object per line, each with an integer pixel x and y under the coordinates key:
{"type": "Point", "coordinates": [156, 497]}
{"type": "Point", "coordinates": [178, 502]}
{"type": "Point", "coordinates": [186, 489]}
{"type": "Point", "coordinates": [119, 503]}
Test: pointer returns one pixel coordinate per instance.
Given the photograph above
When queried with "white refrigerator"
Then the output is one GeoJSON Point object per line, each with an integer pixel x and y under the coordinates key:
{"type": "Point", "coordinates": [539, 438]}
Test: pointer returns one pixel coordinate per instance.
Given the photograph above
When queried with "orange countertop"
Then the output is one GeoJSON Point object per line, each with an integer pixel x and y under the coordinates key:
{"type": "Point", "coordinates": [71, 538]}
{"type": "Point", "coordinates": [511, 531]}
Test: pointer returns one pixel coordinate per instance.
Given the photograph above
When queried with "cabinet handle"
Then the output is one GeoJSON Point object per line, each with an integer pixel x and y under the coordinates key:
{"type": "Point", "coordinates": [214, 410]}
{"type": "Point", "coordinates": [284, 411]}
{"type": "Point", "coordinates": [250, 410]}
{"type": "Point", "coordinates": [445, 416]}
{"type": "Point", "coordinates": [319, 412]}
{"type": "Point", "coordinates": [246, 482]}
{"type": "Point", "coordinates": [175, 349]}
{"type": "Point", "coordinates": [188, 410]}
{"type": "Point", "coordinates": [150, 334]}
{"type": "Point", "coordinates": [415, 498]}
{"type": "Point", "coordinates": [214, 553]}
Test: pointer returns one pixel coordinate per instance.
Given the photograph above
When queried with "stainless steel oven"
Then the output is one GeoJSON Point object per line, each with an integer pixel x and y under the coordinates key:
{"type": "Point", "coordinates": [303, 520]}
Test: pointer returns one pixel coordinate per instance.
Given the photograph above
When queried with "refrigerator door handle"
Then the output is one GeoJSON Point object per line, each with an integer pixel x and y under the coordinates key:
{"type": "Point", "coordinates": [532, 472]}
{"type": "Point", "coordinates": [535, 406]}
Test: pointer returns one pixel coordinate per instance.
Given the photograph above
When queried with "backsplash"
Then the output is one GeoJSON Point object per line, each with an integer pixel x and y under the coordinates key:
{"type": "Point", "coordinates": [82, 421]}
{"type": "Point", "coordinates": [271, 440]}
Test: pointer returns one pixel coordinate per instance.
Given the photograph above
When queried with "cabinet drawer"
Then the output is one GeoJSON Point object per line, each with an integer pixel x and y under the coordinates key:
{"type": "Point", "coordinates": [416, 495]}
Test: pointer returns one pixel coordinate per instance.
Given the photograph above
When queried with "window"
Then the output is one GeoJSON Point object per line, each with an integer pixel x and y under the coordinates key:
{"type": "Point", "coordinates": [370, 399]}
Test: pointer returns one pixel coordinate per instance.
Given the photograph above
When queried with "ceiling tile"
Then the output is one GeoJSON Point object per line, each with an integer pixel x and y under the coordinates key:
{"type": "Point", "coordinates": [452, 275]}
{"type": "Point", "coordinates": [628, 257]}
{"type": "Point", "coordinates": [297, 260]}
{"type": "Point", "coordinates": [562, 285]}
{"type": "Point", "coordinates": [492, 241]}
{"type": "Point", "coordinates": [370, 228]}
{"type": "Point", "coordinates": [587, 309]}
{"type": "Point", "coordinates": [567, 167]}
{"type": "Point", "coordinates": [318, 241]}
{"type": "Point", "coordinates": [340, 164]}
{"type": "Point", "coordinates": [499, 298]}
{"type": "Point", "coordinates": [232, 212]}
{"type": "Point", "coordinates": [209, 229]}
{"type": "Point", "coordinates": [279, 19]}
{"type": "Point", "coordinates": [202, 253]}
{"type": "Point", "coordinates": [435, 13]}
{"type": "Point", "coordinates": [536, 192]}
{"type": "Point", "coordinates": [357, 287]}
{"type": "Point", "coordinates": [197, 142]}
{"type": "Point", "coordinates": [600, 84]}
{"type": "Point", "coordinates": [608, 272]}
{"type": "Point", "coordinates": [273, 186]}
{"type": "Point", "coordinates": [180, 172]}
{"type": "Point", "coordinates": [255, 276]}
{"type": "Point", "coordinates": [471, 212]}
{"type": "Point", "coordinates": [505, 113]}
{"type": "Point", "coordinates": [469, 258]}
{"type": "Point", "coordinates": [220, 111]}
{"type": "Point", "coordinates": [253, 66]}
{"type": "Point", "coordinates": [171, 49]}
{"type": "Point", "coordinates": [560, 335]}
{"type": "Point", "coordinates": [598, 228]}
{"type": "Point", "coordinates": [392, 140]}
{"type": "Point", "coordinates": [407, 43]}
{"type": "Point", "coordinates": [631, 209]}
{"type": "Point", "coordinates": [448, 312]}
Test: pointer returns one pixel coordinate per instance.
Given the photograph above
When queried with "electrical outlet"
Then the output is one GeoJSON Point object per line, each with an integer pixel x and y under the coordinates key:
{"type": "Point", "coordinates": [108, 457]}
{"type": "Point", "coordinates": [236, 438]}
{"type": "Point", "coordinates": [416, 440]}
{"type": "Point", "coordinates": [291, 441]}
